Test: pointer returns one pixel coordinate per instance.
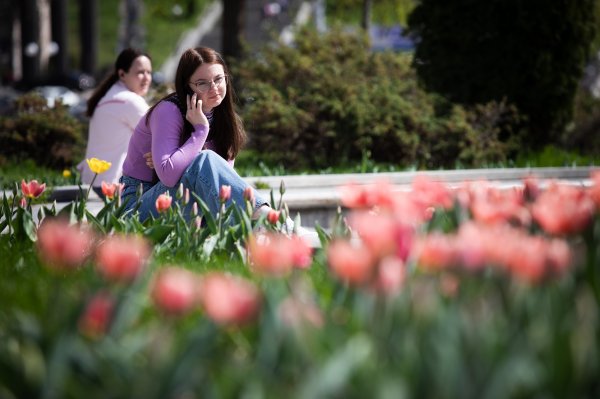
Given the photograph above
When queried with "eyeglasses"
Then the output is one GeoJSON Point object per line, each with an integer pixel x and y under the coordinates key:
{"type": "Point", "coordinates": [205, 85]}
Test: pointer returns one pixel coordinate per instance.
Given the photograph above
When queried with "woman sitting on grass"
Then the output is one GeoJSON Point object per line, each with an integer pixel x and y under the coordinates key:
{"type": "Point", "coordinates": [194, 135]}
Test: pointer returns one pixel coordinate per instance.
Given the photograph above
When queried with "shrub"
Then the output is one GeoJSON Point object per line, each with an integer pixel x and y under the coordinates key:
{"type": "Point", "coordinates": [49, 136]}
{"type": "Point", "coordinates": [329, 100]}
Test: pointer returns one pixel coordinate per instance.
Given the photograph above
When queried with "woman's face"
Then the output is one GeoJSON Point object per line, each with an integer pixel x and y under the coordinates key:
{"type": "Point", "coordinates": [139, 76]}
{"type": "Point", "coordinates": [210, 85]}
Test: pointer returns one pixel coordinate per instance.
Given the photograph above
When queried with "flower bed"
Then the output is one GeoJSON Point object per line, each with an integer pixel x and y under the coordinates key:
{"type": "Point", "coordinates": [469, 292]}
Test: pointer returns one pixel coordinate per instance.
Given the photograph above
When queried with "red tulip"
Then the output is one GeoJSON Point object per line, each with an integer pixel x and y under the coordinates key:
{"type": "Point", "coordinates": [32, 189]}
{"type": "Point", "coordinates": [273, 216]}
{"type": "Point", "coordinates": [96, 317]}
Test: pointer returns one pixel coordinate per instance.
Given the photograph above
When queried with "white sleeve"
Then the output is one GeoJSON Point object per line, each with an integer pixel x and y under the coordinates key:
{"type": "Point", "coordinates": [136, 108]}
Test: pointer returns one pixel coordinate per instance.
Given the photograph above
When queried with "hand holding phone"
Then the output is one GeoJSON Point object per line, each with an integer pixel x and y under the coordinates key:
{"type": "Point", "coordinates": [194, 112]}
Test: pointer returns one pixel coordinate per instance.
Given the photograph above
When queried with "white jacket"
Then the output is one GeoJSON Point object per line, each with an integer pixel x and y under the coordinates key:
{"type": "Point", "coordinates": [111, 127]}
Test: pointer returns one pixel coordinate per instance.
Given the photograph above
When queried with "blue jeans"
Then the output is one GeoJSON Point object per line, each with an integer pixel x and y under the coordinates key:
{"type": "Point", "coordinates": [205, 176]}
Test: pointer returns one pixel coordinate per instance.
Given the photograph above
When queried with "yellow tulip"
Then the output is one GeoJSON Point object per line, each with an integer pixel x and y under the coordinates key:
{"type": "Point", "coordinates": [66, 173]}
{"type": "Point", "coordinates": [98, 166]}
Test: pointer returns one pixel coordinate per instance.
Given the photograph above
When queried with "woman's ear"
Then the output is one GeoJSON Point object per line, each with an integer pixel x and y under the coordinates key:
{"type": "Point", "coordinates": [120, 73]}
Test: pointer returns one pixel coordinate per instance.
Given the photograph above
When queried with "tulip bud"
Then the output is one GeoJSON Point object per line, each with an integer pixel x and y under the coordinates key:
{"type": "Point", "coordinates": [225, 193]}
{"type": "Point", "coordinates": [273, 216]}
{"type": "Point", "coordinates": [179, 194]}
{"type": "Point", "coordinates": [186, 196]}
{"type": "Point", "coordinates": [163, 202]}
{"type": "Point", "coordinates": [282, 188]}
{"type": "Point", "coordinates": [249, 195]}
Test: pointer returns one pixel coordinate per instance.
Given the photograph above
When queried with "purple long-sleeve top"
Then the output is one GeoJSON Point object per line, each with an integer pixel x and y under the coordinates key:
{"type": "Point", "coordinates": [161, 135]}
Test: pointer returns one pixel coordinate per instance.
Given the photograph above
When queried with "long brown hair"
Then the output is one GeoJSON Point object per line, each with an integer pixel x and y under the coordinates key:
{"type": "Point", "coordinates": [123, 62]}
{"type": "Point", "coordinates": [226, 130]}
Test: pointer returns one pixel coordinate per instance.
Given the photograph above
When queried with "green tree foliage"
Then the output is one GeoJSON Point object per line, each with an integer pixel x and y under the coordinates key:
{"type": "Point", "coordinates": [385, 12]}
{"type": "Point", "coordinates": [531, 53]}
{"type": "Point", "coordinates": [49, 136]}
{"type": "Point", "coordinates": [329, 100]}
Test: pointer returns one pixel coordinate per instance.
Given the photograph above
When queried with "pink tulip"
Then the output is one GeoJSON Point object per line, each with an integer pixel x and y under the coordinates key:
{"type": "Point", "coordinates": [430, 193]}
{"type": "Point", "coordinates": [563, 209]}
{"type": "Point", "coordinates": [96, 317]}
{"type": "Point", "coordinates": [175, 290]}
{"type": "Point", "coordinates": [32, 189]}
{"type": "Point", "coordinates": [492, 205]}
{"type": "Point", "coordinates": [62, 246]}
{"type": "Point", "coordinates": [110, 189]}
{"type": "Point", "coordinates": [273, 216]}
{"type": "Point", "coordinates": [271, 254]}
{"type": "Point", "coordinates": [351, 263]}
{"type": "Point", "coordinates": [380, 194]}
{"type": "Point", "coordinates": [225, 193]}
{"type": "Point", "coordinates": [163, 202]}
{"type": "Point", "coordinates": [377, 231]}
{"type": "Point", "coordinates": [391, 274]}
{"type": "Point", "coordinates": [229, 300]}
{"type": "Point", "coordinates": [249, 195]}
{"type": "Point", "coordinates": [122, 258]}
{"type": "Point", "coordinates": [526, 260]}
{"type": "Point", "coordinates": [301, 252]}
{"type": "Point", "coordinates": [435, 251]}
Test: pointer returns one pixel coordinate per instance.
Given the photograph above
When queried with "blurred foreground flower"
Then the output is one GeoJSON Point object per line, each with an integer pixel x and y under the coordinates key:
{"type": "Point", "coordinates": [122, 258]}
{"type": "Point", "coordinates": [63, 246]}
{"type": "Point", "coordinates": [563, 209]}
{"type": "Point", "coordinates": [32, 189]}
{"type": "Point", "coordinates": [96, 317]}
{"type": "Point", "coordinates": [228, 299]}
{"type": "Point", "coordinates": [352, 263]}
{"type": "Point", "coordinates": [175, 290]}
{"type": "Point", "coordinates": [276, 254]}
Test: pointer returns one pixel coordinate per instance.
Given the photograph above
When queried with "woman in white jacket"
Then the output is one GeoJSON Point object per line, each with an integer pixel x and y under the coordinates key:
{"type": "Point", "coordinates": [115, 108]}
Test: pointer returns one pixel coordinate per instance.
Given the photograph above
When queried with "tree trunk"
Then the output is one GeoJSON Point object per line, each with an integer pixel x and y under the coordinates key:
{"type": "Point", "coordinates": [59, 61]}
{"type": "Point", "coordinates": [131, 32]}
{"type": "Point", "coordinates": [233, 27]}
{"type": "Point", "coordinates": [30, 46]}
{"type": "Point", "coordinates": [366, 17]}
{"type": "Point", "coordinates": [88, 20]}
